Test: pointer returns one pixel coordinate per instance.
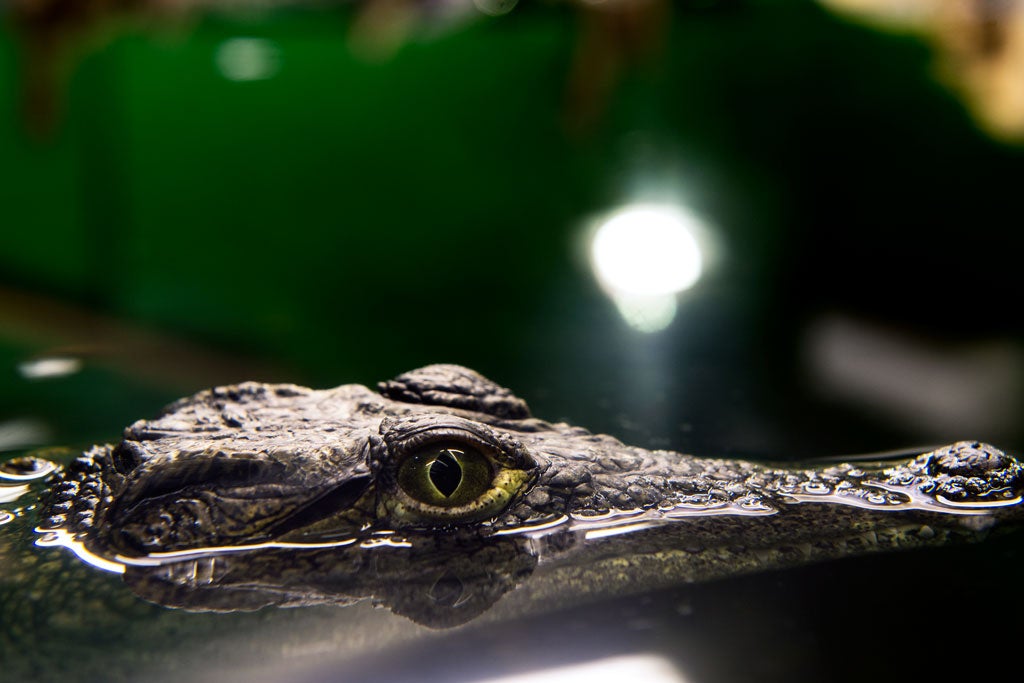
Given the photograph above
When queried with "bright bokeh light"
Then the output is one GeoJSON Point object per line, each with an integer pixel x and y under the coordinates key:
{"type": "Point", "coordinates": [44, 368]}
{"type": "Point", "coordinates": [647, 313]}
{"type": "Point", "coordinates": [647, 250]}
{"type": "Point", "coordinates": [644, 255]}
{"type": "Point", "coordinates": [247, 59]}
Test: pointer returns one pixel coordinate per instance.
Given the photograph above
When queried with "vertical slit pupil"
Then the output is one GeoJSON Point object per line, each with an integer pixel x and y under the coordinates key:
{"type": "Point", "coordinates": [445, 473]}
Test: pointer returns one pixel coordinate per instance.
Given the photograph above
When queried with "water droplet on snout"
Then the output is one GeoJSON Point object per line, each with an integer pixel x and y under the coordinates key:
{"type": "Point", "coordinates": [25, 468]}
{"type": "Point", "coordinates": [755, 505]}
{"type": "Point", "coordinates": [817, 488]}
{"type": "Point", "coordinates": [5, 517]}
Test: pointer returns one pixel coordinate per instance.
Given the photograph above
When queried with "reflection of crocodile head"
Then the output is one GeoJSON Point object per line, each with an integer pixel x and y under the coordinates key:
{"type": "Point", "coordinates": [449, 474]}
{"type": "Point", "coordinates": [438, 583]}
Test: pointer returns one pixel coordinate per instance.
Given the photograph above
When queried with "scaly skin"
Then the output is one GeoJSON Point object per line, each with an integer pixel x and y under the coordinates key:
{"type": "Point", "coordinates": [194, 506]}
{"type": "Point", "coordinates": [588, 519]}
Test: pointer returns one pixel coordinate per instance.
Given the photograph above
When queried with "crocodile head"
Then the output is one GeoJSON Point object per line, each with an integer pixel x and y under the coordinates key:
{"type": "Point", "coordinates": [438, 493]}
{"type": "Point", "coordinates": [250, 463]}
{"type": "Point", "coordinates": [442, 449]}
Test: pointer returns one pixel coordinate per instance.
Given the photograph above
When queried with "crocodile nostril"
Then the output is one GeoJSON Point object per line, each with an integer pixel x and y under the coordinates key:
{"type": "Point", "coordinates": [967, 458]}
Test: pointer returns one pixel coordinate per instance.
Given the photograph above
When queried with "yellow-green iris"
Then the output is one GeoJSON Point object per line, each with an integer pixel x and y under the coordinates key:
{"type": "Point", "coordinates": [446, 475]}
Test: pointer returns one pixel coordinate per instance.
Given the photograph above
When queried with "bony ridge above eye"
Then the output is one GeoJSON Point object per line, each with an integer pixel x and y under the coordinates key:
{"type": "Point", "coordinates": [445, 470]}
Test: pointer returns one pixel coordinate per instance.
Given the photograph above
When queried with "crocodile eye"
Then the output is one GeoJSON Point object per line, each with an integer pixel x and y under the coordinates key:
{"type": "Point", "coordinates": [445, 471]}
{"type": "Point", "coordinates": [446, 475]}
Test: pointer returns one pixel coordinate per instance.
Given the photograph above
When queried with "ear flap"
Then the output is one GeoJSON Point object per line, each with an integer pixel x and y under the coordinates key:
{"type": "Point", "coordinates": [456, 387]}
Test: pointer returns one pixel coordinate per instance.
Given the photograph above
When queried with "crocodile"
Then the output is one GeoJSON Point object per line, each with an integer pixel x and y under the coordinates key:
{"type": "Point", "coordinates": [439, 493]}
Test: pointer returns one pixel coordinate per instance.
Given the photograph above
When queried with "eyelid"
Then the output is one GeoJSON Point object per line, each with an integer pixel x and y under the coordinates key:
{"type": "Point", "coordinates": [404, 435]}
{"type": "Point", "coordinates": [415, 442]}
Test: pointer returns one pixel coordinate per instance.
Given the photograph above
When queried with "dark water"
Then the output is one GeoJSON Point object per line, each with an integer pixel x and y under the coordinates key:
{"type": "Point", "coordinates": [209, 199]}
{"type": "Point", "coordinates": [875, 617]}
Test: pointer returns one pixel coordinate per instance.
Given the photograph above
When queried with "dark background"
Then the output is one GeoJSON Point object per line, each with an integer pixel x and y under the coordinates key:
{"type": "Point", "coordinates": [361, 213]}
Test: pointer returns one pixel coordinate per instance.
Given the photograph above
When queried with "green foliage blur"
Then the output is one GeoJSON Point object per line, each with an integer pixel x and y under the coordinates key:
{"type": "Point", "coordinates": [349, 217]}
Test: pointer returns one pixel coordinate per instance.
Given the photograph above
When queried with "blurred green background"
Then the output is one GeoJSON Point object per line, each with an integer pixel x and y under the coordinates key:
{"type": "Point", "coordinates": [259, 196]}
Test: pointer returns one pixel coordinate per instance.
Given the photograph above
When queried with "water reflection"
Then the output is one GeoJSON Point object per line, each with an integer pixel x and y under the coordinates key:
{"type": "Point", "coordinates": [21, 432]}
{"type": "Point", "coordinates": [649, 668]}
{"type": "Point", "coordinates": [9, 494]}
{"type": "Point", "coordinates": [437, 584]}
